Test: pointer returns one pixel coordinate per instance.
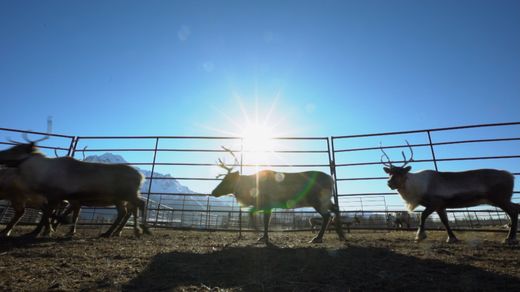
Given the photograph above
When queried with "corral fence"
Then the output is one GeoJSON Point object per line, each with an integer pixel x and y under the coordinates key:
{"type": "Point", "coordinates": [181, 171]}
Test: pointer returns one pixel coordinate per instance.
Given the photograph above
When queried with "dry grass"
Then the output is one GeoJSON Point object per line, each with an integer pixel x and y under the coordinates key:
{"type": "Point", "coordinates": [186, 261]}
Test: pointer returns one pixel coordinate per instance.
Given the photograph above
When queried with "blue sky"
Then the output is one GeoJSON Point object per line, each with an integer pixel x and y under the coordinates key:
{"type": "Point", "coordinates": [320, 67]}
{"type": "Point", "coordinates": [304, 68]}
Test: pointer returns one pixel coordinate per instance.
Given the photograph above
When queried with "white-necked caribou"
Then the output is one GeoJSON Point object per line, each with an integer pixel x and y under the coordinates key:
{"type": "Point", "coordinates": [267, 190]}
{"type": "Point", "coordinates": [436, 191]}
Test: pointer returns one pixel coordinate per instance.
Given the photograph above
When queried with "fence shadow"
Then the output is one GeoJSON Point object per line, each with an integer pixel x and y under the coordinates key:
{"type": "Point", "coordinates": [349, 268]}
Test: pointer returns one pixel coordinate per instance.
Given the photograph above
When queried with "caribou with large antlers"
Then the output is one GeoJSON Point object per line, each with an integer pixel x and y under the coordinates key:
{"type": "Point", "coordinates": [437, 191]}
{"type": "Point", "coordinates": [267, 190]}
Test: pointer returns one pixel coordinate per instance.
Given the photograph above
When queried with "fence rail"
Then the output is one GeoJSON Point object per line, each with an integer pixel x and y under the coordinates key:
{"type": "Point", "coordinates": [168, 161]}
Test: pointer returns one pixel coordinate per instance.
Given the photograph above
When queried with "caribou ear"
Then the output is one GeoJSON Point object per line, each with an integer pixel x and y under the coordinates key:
{"type": "Point", "coordinates": [386, 169]}
{"type": "Point", "coordinates": [29, 147]}
{"type": "Point", "coordinates": [407, 169]}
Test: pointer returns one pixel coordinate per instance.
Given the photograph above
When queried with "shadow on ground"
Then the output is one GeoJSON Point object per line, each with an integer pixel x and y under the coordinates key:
{"type": "Point", "coordinates": [354, 267]}
{"type": "Point", "coordinates": [9, 243]}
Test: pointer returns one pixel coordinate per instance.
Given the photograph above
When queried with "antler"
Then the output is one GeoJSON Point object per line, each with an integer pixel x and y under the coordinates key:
{"type": "Point", "coordinates": [232, 154]}
{"type": "Point", "coordinates": [83, 152]}
{"type": "Point", "coordinates": [49, 130]}
{"type": "Point", "coordinates": [389, 163]}
{"type": "Point", "coordinates": [12, 141]}
{"type": "Point", "coordinates": [223, 165]}
{"type": "Point", "coordinates": [404, 157]}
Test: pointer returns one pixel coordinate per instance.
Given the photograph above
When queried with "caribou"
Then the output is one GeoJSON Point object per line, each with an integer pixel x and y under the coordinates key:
{"type": "Point", "coordinates": [317, 222]}
{"type": "Point", "coordinates": [74, 207]}
{"type": "Point", "coordinates": [398, 219]}
{"type": "Point", "coordinates": [66, 178]}
{"type": "Point", "coordinates": [267, 190]}
{"type": "Point", "coordinates": [436, 191]}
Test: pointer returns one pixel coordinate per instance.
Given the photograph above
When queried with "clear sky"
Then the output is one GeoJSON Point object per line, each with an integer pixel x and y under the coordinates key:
{"type": "Point", "coordinates": [307, 68]}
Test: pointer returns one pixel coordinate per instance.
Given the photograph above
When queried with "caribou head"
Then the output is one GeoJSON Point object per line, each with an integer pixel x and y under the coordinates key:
{"type": "Point", "coordinates": [21, 151]}
{"type": "Point", "coordinates": [228, 183]}
{"type": "Point", "coordinates": [398, 174]}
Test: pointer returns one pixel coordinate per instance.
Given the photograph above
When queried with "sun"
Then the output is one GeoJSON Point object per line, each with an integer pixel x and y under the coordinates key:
{"type": "Point", "coordinates": [258, 143]}
{"type": "Point", "coordinates": [258, 138]}
{"type": "Point", "coordinates": [256, 125]}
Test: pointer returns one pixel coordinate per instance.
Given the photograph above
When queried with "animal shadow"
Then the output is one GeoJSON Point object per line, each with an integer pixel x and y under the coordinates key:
{"type": "Point", "coordinates": [350, 268]}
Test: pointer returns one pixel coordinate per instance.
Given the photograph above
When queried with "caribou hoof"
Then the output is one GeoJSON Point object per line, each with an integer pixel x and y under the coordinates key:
{"type": "Point", "coordinates": [105, 235]}
{"type": "Point", "coordinates": [511, 241]}
{"type": "Point", "coordinates": [452, 240]}
{"type": "Point", "coordinates": [316, 240]}
{"type": "Point", "coordinates": [4, 234]}
{"type": "Point", "coordinates": [263, 239]}
{"type": "Point", "coordinates": [420, 236]}
{"type": "Point", "coordinates": [146, 230]}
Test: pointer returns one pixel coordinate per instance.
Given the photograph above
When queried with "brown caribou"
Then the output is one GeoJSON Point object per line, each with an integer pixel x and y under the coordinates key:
{"type": "Point", "coordinates": [74, 207]}
{"type": "Point", "coordinates": [267, 190]}
{"type": "Point", "coordinates": [66, 178]}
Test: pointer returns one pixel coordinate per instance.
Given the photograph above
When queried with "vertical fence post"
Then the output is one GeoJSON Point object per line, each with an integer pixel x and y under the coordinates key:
{"type": "Point", "coordinates": [72, 146]}
{"type": "Point", "coordinates": [433, 152]}
{"type": "Point", "coordinates": [208, 213]}
{"type": "Point", "coordinates": [332, 165]}
{"type": "Point", "coordinates": [151, 177]}
{"type": "Point", "coordinates": [241, 172]}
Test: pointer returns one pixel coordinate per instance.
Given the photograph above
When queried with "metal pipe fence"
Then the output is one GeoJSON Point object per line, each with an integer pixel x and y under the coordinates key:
{"type": "Point", "coordinates": [180, 172]}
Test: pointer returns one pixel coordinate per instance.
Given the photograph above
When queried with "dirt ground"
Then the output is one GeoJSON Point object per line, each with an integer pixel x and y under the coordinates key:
{"type": "Point", "coordinates": [192, 261]}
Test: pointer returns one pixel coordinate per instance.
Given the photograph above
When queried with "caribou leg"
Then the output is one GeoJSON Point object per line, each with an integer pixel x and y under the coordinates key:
{"type": "Point", "coordinates": [38, 228]}
{"type": "Point", "coordinates": [75, 216]}
{"type": "Point", "coordinates": [19, 210]}
{"type": "Point", "coordinates": [119, 229]}
{"type": "Point", "coordinates": [121, 213]}
{"type": "Point", "coordinates": [139, 203]}
{"type": "Point", "coordinates": [421, 234]}
{"type": "Point", "coordinates": [252, 220]}
{"type": "Point", "coordinates": [324, 225]}
{"type": "Point", "coordinates": [267, 219]}
{"type": "Point", "coordinates": [512, 210]}
{"type": "Point", "coordinates": [444, 219]}
{"type": "Point", "coordinates": [44, 221]}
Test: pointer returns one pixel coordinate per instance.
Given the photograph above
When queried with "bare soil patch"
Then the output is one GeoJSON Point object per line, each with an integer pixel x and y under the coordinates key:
{"type": "Point", "coordinates": [191, 260]}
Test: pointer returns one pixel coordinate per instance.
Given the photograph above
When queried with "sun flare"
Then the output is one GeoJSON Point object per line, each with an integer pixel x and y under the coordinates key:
{"type": "Point", "coordinates": [256, 126]}
{"type": "Point", "coordinates": [258, 138]}
{"type": "Point", "coordinates": [258, 143]}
